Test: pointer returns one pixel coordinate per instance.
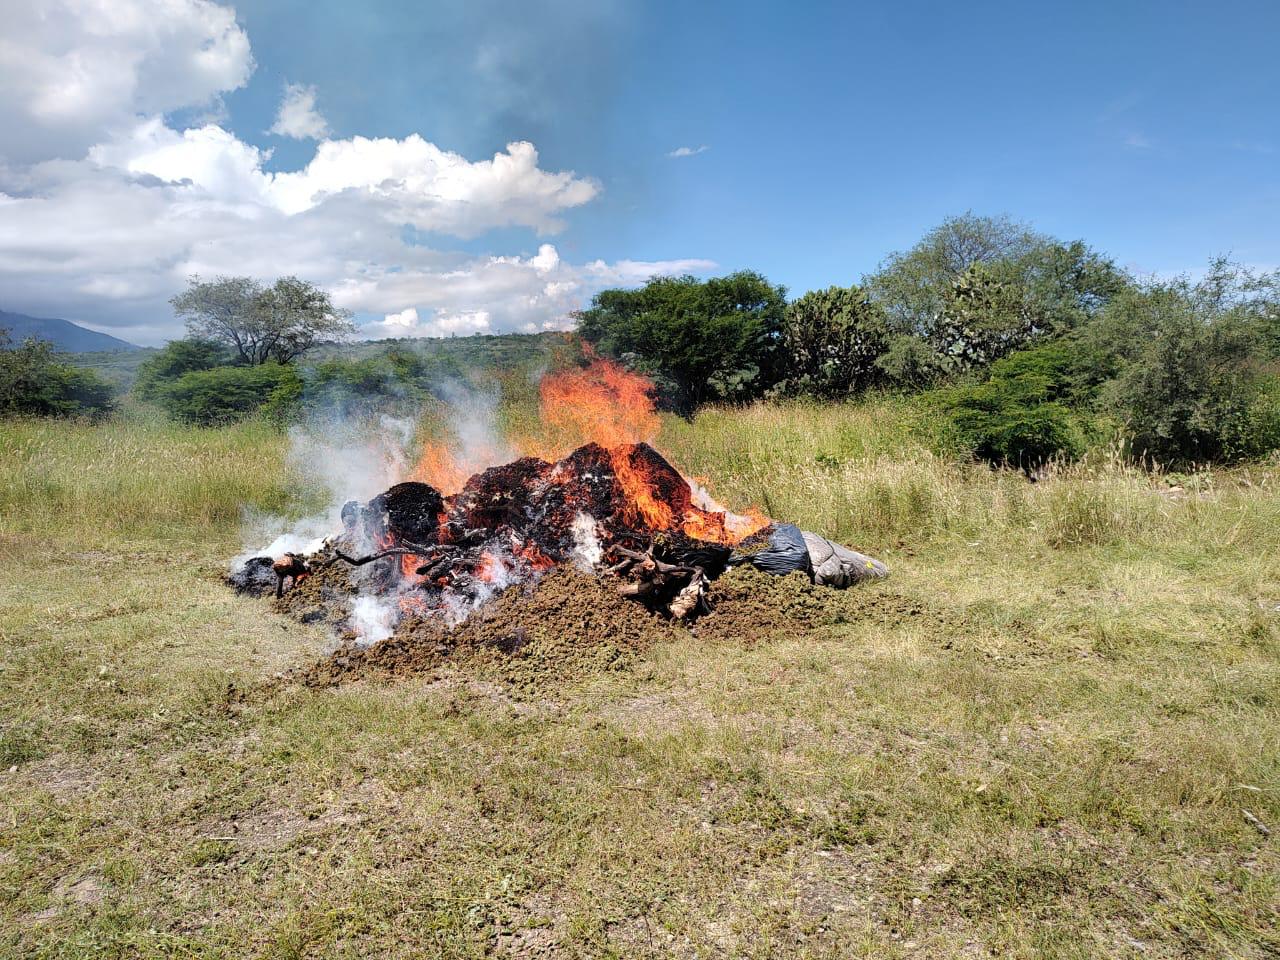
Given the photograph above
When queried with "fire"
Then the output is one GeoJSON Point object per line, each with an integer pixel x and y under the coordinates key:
{"type": "Point", "coordinates": [609, 405]}
{"type": "Point", "coordinates": [438, 467]}
{"type": "Point", "coordinates": [448, 471]}
{"type": "Point", "coordinates": [643, 508]}
{"type": "Point", "coordinates": [602, 403]}
{"type": "Point", "coordinates": [606, 404]}
{"type": "Point", "coordinates": [491, 569]}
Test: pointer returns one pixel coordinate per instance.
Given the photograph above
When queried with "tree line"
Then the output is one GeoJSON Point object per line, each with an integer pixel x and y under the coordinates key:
{"type": "Point", "coordinates": [1027, 347]}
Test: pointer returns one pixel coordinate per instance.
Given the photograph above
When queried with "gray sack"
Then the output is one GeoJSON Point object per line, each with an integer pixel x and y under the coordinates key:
{"type": "Point", "coordinates": [839, 567]}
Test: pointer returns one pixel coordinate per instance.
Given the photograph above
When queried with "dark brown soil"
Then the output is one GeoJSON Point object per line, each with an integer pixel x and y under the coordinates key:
{"type": "Point", "coordinates": [321, 597]}
{"type": "Point", "coordinates": [565, 628]}
{"type": "Point", "coordinates": [748, 606]}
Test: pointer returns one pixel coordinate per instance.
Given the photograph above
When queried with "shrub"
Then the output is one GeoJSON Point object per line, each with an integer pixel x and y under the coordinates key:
{"type": "Point", "coordinates": [1018, 415]}
{"type": "Point", "coordinates": [223, 394]}
{"type": "Point", "coordinates": [33, 381]}
{"type": "Point", "coordinates": [176, 358]}
{"type": "Point", "coordinates": [1193, 366]}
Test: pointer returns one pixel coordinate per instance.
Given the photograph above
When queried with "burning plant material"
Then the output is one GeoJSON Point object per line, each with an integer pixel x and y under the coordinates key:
{"type": "Point", "coordinates": [625, 514]}
{"type": "Point", "coordinates": [613, 508]}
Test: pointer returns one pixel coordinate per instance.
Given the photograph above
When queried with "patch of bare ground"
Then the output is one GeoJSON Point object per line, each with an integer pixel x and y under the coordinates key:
{"type": "Point", "coordinates": [65, 776]}
{"type": "Point", "coordinates": [85, 892]}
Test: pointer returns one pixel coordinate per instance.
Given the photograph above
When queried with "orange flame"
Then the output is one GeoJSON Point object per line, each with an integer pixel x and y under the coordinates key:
{"type": "Point", "coordinates": [491, 567]}
{"type": "Point", "coordinates": [602, 403]}
{"type": "Point", "coordinates": [614, 407]}
{"type": "Point", "coordinates": [440, 468]}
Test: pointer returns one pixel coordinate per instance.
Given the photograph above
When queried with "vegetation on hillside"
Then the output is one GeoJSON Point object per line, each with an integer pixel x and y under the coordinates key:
{"type": "Point", "coordinates": [34, 381]}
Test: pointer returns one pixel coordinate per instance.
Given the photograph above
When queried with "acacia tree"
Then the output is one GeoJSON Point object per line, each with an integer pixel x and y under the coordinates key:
{"type": "Point", "coordinates": [701, 340]}
{"type": "Point", "coordinates": [261, 324]}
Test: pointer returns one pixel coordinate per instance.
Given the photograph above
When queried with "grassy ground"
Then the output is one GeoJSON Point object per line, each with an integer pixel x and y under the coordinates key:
{"type": "Point", "coordinates": [1050, 755]}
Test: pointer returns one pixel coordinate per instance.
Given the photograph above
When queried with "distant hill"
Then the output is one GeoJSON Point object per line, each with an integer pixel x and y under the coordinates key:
{"type": "Point", "coordinates": [63, 334]}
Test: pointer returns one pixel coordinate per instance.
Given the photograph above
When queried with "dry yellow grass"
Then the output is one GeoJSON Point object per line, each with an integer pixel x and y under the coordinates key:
{"type": "Point", "coordinates": [1039, 742]}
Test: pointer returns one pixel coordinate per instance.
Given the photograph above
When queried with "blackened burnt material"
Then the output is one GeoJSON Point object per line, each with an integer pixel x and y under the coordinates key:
{"type": "Point", "coordinates": [412, 510]}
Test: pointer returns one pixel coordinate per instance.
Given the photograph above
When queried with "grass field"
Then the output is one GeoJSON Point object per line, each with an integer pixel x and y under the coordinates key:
{"type": "Point", "coordinates": [1052, 755]}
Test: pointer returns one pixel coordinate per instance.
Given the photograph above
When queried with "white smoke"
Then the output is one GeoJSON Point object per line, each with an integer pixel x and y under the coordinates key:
{"type": "Point", "coordinates": [587, 551]}
{"type": "Point", "coordinates": [471, 415]}
{"type": "Point", "coordinates": [373, 619]}
{"type": "Point", "coordinates": [351, 460]}
{"type": "Point", "coordinates": [499, 576]}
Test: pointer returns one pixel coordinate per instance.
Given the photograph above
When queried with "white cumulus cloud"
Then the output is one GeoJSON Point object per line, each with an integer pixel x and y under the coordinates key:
{"type": "Point", "coordinates": [688, 151]}
{"type": "Point", "coordinates": [107, 205]}
{"type": "Point", "coordinates": [298, 116]}
{"type": "Point", "coordinates": [73, 71]}
{"type": "Point", "coordinates": [406, 319]}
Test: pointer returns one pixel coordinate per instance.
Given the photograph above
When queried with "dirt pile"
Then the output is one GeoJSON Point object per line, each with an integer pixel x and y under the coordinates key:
{"type": "Point", "coordinates": [565, 628]}
{"type": "Point", "coordinates": [570, 626]}
{"type": "Point", "coordinates": [748, 606]}
{"type": "Point", "coordinates": [324, 596]}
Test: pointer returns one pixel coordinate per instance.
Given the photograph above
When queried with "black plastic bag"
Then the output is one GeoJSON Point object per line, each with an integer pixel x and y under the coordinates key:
{"type": "Point", "coordinates": [786, 553]}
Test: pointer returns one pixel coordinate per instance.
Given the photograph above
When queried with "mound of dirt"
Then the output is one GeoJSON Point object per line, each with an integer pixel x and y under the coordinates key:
{"type": "Point", "coordinates": [565, 628]}
{"type": "Point", "coordinates": [748, 606]}
{"type": "Point", "coordinates": [322, 597]}
{"type": "Point", "coordinates": [569, 626]}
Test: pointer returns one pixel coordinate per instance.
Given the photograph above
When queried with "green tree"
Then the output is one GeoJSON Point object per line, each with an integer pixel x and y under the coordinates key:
{"type": "Point", "coordinates": [975, 289]}
{"type": "Point", "coordinates": [176, 358]}
{"type": "Point", "coordinates": [34, 381]}
{"type": "Point", "coordinates": [261, 324]}
{"type": "Point", "coordinates": [833, 341]}
{"type": "Point", "coordinates": [1191, 367]}
{"type": "Point", "coordinates": [706, 340]}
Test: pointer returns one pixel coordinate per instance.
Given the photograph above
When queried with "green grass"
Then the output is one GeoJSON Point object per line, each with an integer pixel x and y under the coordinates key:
{"type": "Point", "coordinates": [1038, 743]}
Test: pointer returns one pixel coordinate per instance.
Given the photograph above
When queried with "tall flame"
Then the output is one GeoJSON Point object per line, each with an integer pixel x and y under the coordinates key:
{"type": "Point", "coordinates": [440, 468]}
{"type": "Point", "coordinates": [601, 403]}
{"type": "Point", "coordinates": [611, 406]}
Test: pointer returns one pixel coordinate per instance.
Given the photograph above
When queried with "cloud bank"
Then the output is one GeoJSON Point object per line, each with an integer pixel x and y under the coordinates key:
{"type": "Point", "coordinates": [107, 206]}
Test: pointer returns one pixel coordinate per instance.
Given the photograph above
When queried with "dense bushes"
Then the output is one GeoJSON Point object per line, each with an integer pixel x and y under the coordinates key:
{"type": "Point", "coordinates": [222, 394]}
{"type": "Point", "coordinates": [1026, 348]}
{"type": "Point", "coordinates": [196, 382]}
{"type": "Point", "coordinates": [1194, 373]}
{"type": "Point", "coordinates": [1188, 370]}
{"type": "Point", "coordinates": [34, 381]}
{"type": "Point", "coordinates": [975, 289]}
{"type": "Point", "coordinates": [1020, 416]}
{"type": "Point", "coordinates": [176, 358]}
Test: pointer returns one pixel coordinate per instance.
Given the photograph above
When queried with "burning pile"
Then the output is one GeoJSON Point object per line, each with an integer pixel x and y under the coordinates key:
{"type": "Point", "coordinates": [613, 507]}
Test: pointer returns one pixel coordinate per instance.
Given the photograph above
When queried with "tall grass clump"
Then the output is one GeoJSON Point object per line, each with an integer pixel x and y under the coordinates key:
{"type": "Point", "coordinates": [136, 476]}
{"type": "Point", "coordinates": [882, 474]}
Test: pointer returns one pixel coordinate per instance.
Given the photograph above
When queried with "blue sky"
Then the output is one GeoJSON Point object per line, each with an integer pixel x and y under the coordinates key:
{"type": "Point", "coordinates": [833, 134]}
{"type": "Point", "coordinates": [835, 131]}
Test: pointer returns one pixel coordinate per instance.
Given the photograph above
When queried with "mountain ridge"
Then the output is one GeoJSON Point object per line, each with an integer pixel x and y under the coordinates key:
{"type": "Point", "coordinates": [65, 336]}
